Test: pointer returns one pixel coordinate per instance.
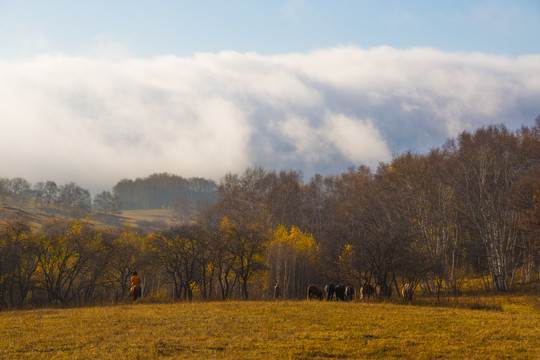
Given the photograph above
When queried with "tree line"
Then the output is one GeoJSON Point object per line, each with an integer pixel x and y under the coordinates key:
{"type": "Point", "coordinates": [164, 190]}
{"type": "Point", "coordinates": [153, 192]}
{"type": "Point", "coordinates": [74, 262]}
{"type": "Point", "coordinates": [469, 209]}
{"type": "Point", "coordinates": [73, 199]}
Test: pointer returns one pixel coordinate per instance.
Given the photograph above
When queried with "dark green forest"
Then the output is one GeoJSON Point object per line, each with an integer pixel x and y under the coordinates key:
{"type": "Point", "coordinates": [466, 212]}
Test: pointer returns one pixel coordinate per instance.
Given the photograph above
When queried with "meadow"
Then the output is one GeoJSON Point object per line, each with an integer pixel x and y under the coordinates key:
{"type": "Point", "coordinates": [502, 327]}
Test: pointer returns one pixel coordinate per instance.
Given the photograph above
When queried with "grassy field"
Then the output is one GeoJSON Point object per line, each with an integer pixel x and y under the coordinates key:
{"type": "Point", "coordinates": [156, 216]}
{"type": "Point", "coordinates": [275, 330]}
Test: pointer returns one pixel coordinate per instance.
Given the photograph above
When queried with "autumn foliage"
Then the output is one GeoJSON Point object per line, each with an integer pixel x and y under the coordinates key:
{"type": "Point", "coordinates": [468, 210]}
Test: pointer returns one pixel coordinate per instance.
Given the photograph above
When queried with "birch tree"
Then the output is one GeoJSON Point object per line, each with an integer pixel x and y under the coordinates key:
{"type": "Point", "coordinates": [488, 163]}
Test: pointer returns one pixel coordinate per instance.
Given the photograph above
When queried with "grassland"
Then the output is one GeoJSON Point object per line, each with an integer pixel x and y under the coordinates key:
{"type": "Point", "coordinates": [151, 217]}
{"type": "Point", "coordinates": [274, 330]}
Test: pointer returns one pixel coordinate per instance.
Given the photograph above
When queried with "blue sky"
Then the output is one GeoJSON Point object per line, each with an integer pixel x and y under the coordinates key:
{"type": "Point", "coordinates": [97, 91]}
{"type": "Point", "coordinates": [152, 28]}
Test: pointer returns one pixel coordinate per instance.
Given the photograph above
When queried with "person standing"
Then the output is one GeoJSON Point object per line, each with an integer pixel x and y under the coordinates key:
{"type": "Point", "coordinates": [135, 286]}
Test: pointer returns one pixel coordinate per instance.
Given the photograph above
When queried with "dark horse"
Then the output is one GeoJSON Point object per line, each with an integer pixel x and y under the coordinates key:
{"type": "Point", "coordinates": [329, 289]}
{"type": "Point", "coordinates": [340, 292]}
{"type": "Point", "coordinates": [314, 291]}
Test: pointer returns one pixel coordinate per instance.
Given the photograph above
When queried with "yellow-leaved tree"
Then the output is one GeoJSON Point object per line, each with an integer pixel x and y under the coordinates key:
{"type": "Point", "coordinates": [293, 260]}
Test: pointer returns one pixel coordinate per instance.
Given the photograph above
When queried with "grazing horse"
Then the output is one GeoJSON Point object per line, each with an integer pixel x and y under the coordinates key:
{"type": "Point", "coordinates": [383, 290]}
{"type": "Point", "coordinates": [407, 292]}
{"type": "Point", "coordinates": [349, 293]}
{"type": "Point", "coordinates": [330, 289]}
{"type": "Point", "coordinates": [366, 291]}
{"type": "Point", "coordinates": [340, 292]}
{"type": "Point", "coordinates": [314, 291]}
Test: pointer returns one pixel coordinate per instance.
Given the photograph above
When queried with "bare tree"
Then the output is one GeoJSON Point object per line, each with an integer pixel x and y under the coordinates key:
{"type": "Point", "coordinates": [243, 201]}
{"type": "Point", "coordinates": [183, 209]}
{"type": "Point", "coordinates": [107, 203]}
{"type": "Point", "coordinates": [488, 164]}
{"type": "Point", "coordinates": [18, 262]}
{"type": "Point", "coordinates": [62, 258]}
{"type": "Point", "coordinates": [179, 250]}
{"type": "Point", "coordinates": [74, 199]}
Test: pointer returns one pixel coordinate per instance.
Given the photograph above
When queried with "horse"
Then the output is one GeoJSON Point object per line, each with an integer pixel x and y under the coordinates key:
{"type": "Point", "coordinates": [314, 291]}
{"type": "Point", "coordinates": [407, 292]}
{"type": "Point", "coordinates": [329, 289]}
{"type": "Point", "coordinates": [349, 293]}
{"type": "Point", "coordinates": [340, 292]}
{"type": "Point", "coordinates": [135, 292]}
{"type": "Point", "coordinates": [366, 291]}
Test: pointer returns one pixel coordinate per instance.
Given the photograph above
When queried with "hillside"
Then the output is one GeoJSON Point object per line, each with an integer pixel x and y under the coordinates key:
{"type": "Point", "coordinates": [146, 204]}
{"type": "Point", "coordinates": [143, 220]}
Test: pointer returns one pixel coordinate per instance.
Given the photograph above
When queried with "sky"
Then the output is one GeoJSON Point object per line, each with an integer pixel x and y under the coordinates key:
{"type": "Point", "coordinates": [98, 91]}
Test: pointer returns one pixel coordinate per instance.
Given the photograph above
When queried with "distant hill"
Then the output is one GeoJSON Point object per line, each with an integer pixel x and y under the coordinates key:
{"type": "Point", "coordinates": [148, 204]}
{"type": "Point", "coordinates": [146, 221]}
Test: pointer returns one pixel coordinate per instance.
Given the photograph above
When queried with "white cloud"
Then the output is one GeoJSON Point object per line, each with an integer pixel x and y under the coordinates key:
{"type": "Point", "coordinates": [95, 120]}
{"type": "Point", "coordinates": [358, 140]}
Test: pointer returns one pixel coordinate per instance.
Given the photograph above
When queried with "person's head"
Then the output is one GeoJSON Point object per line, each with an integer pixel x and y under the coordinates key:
{"type": "Point", "coordinates": [134, 273]}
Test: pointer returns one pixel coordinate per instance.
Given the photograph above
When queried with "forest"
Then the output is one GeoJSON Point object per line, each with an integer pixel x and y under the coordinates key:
{"type": "Point", "coordinates": [163, 190]}
{"type": "Point", "coordinates": [467, 210]}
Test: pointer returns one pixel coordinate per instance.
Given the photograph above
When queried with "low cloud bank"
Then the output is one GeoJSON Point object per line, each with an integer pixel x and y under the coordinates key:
{"type": "Point", "coordinates": [98, 120]}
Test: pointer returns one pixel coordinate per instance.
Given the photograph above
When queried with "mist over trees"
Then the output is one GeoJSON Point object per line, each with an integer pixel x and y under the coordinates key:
{"type": "Point", "coordinates": [467, 210]}
{"type": "Point", "coordinates": [161, 190]}
{"type": "Point", "coordinates": [106, 203]}
{"type": "Point", "coordinates": [75, 201]}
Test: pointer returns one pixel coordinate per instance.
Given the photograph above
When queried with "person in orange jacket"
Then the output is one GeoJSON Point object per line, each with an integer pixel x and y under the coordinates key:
{"type": "Point", "coordinates": [135, 289]}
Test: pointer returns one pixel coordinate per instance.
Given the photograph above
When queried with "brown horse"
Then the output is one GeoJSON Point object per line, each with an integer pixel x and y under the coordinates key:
{"type": "Point", "coordinates": [135, 292]}
{"type": "Point", "coordinates": [349, 293]}
{"type": "Point", "coordinates": [314, 291]}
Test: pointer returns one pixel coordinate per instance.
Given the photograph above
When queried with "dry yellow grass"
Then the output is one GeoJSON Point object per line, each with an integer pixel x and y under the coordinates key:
{"type": "Point", "coordinates": [151, 215]}
{"type": "Point", "coordinates": [273, 330]}
{"type": "Point", "coordinates": [148, 218]}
